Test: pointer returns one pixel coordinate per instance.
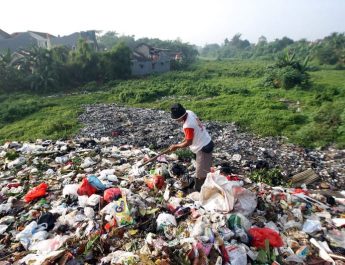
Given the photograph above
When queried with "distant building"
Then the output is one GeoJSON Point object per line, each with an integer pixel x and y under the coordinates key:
{"type": "Point", "coordinates": [71, 41]}
{"type": "Point", "coordinates": [147, 60]}
{"type": "Point", "coordinates": [25, 40]}
{"type": "Point", "coordinates": [4, 35]}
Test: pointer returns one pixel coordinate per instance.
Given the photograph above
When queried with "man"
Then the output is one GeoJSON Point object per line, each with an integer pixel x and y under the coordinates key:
{"type": "Point", "coordinates": [197, 139]}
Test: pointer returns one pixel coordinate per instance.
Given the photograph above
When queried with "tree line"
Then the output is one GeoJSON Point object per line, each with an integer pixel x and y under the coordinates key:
{"type": "Point", "coordinates": [329, 50]}
{"type": "Point", "coordinates": [61, 69]}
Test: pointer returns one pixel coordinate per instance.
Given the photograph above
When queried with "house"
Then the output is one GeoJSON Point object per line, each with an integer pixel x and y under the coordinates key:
{"type": "Point", "coordinates": [147, 60]}
{"type": "Point", "coordinates": [24, 40]}
{"type": "Point", "coordinates": [71, 40]}
{"type": "Point", "coordinates": [4, 35]}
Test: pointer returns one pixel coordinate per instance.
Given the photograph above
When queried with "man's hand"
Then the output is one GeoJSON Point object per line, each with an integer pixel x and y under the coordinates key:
{"type": "Point", "coordinates": [173, 147]}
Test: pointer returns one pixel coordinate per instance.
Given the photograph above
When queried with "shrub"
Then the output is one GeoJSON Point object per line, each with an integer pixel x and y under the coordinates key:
{"type": "Point", "coordinates": [287, 73]}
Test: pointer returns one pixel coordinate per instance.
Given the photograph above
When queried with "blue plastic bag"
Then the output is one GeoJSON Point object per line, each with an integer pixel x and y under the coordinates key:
{"type": "Point", "coordinates": [96, 183]}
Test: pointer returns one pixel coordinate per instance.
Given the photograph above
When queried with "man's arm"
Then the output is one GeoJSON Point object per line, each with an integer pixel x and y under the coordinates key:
{"type": "Point", "coordinates": [184, 144]}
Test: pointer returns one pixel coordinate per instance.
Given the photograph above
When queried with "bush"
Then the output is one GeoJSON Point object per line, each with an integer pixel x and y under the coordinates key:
{"type": "Point", "coordinates": [20, 110]}
{"type": "Point", "coordinates": [271, 177]}
{"type": "Point", "coordinates": [287, 73]}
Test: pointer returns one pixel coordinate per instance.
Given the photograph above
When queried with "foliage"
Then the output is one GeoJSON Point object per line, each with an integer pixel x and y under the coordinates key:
{"type": "Point", "coordinates": [116, 63]}
{"type": "Point", "coordinates": [184, 154]}
{"type": "Point", "coordinates": [270, 177]}
{"type": "Point", "coordinates": [332, 49]}
{"type": "Point", "coordinates": [12, 155]}
{"type": "Point", "coordinates": [267, 255]}
{"type": "Point", "coordinates": [287, 73]}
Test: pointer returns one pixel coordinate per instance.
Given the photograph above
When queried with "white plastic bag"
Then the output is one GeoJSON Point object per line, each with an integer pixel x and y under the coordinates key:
{"type": "Point", "coordinates": [25, 236]}
{"type": "Point", "coordinates": [49, 245]}
{"type": "Point", "coordinates": [311, 226]}
{"type": "Point", "coordinates": [93, 200]}
{"type": "Point", "coordinates": [216, 193]}
{"type": "Point", "coordinates": [71, 189]}
{"type": "Point", "coordinates": [3, 229]}
{"type": "Point", "coordinates": [237, 254]}
{"type": "Point", "coordinates": [39, 236]}
{"type": "Point", "coordinates": [35, 259]}
{"type": "Point", "coordinates": [165, 219]}
{"type": "Point", "coordinates": [245, 201]}
{"type": "Point", "coordinates": [82, 201]}
{"type": "Point", "coordinates": [5, 207]}
{"type": "Point", "coordinates": [89, 212]}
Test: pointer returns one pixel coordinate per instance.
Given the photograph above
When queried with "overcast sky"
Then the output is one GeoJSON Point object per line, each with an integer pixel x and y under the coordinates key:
{"type": "Point", "coordinates": [194, 21]}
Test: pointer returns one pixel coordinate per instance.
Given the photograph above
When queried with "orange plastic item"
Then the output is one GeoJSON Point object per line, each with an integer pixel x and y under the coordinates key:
{"type": "Point", "coordinates": [155, 181]}
{"type": "Point", "coordinates": [37, 192]}
{"type": "Point", "coordinates": [86, 188]}
{"type": "Point", "coordinates": [112, 194]}
{"type": "Point", "coordinates": [259, 235]}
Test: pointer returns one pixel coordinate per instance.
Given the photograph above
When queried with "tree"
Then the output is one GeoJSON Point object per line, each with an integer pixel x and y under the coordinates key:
{"type": "Point", "coordinates": [85, 64]}
{"type": "Point", "coordinates": [262, 40]}
{"type": "Point", "coordinates": [108, 40]}
{"type": "Point", "coordinates": [116, 63]}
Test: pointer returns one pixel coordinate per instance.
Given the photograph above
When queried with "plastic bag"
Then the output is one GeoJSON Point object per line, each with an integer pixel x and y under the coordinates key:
{"type": "Point", "coordinates": [216, 193]}
{"type": "Point", "coordinates": [25, 235]}
{"type": "Point", "coordinates": [37, 192]}
{"type": "Point", "coordinates": [49, 245]}
{"type": "Point", "coordinates": [86, 188]}
{"type": "Point", "coordinates": [82, 201]}
{"type": "Point", "coordinates": [336, 237]}
{"type": "Point", "coordinates": [96, 183]}
{"type": "Point", "coordinates": [112, 194]}
{"type": "Point", "coordinates": [48, 219]}
{"type": "Point", "coordinates": [120, 257]}
{"type": "Point", "coordinates": [165, 219]}
{"type": "Point", "coordinates": [89, 212]}
{"type": "Point", "coordinates": [35, 259]}
{"type": "Point", "coordinates": [155, 182]}
{"type": "Point", "coordinates": [39, 236]}
{"type": "Point", "coordinates": [238, 221]}
{"type": "Point", "coordinates": [94, 200]}
{"type": "Point", "coordinates": [311, 226]}
{"type": "Point", "coordinates": [71, 189]}
{"type": "Point", "coordinates": [6, 207]}
{"type": "Point", "coordinates": [245, 201]}
{"type": "Point", "coordinates": [237, 254]}
{"type": "Point", "coordinates": [259, 235]}
{"type": "Point", "coordinates": [3, 228]}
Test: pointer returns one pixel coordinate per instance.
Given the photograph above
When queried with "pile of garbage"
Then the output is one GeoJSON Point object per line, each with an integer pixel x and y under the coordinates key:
{"type": "Point", "coordinates": [88, 201]}
{"type": "Point", "coordinates": [242, 150]}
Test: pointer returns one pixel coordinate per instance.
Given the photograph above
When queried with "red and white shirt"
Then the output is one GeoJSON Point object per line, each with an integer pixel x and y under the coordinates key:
{"type": "Point", "coordinates": [196, 131]}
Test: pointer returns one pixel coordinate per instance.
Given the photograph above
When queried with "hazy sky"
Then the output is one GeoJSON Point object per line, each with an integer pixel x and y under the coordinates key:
{"type": "Point", "coordinates": [198, 22]}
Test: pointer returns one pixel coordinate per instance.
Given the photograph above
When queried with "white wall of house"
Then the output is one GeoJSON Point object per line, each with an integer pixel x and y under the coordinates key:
{"type": "Point", "coordinates": [149, 67]}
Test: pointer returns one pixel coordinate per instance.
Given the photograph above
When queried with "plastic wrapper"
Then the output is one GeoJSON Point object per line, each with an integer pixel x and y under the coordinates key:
{"type": "Point", "coordinates": [86, 188]}
{"type": "Point", "coordinates": [311, 226]}
{"type": "Point", "coordinates": [96, 183]}
{"type": "Point", "coordinates": [112, 194]}
{"type": "Point", "coordinates": [122, 213]}
{"type": "Point", "coordinates": [71, 189]}
{"type": "Point", "coordinates": [165, 219]}
{"type": "Point", "coordinates": [36, 192]}
{"type": "Point", "coordinates": [259, 235]}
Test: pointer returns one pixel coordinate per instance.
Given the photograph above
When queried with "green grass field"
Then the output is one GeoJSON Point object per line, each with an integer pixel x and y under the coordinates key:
{"type": "Point", "coordinates": [227, 91]}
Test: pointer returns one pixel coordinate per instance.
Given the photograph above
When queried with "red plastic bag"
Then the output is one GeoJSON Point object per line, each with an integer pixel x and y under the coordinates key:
{"type": "Point", "coordinates": [259, 235]}
{"type": "Point", "coordinates": [155, 181]}
{"type": "Point", "coordinates": [112, 194]}
{"type": "Point", "coordinates": [37, 192]}
{"type": "Point", "coordinates": [86, 188]}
